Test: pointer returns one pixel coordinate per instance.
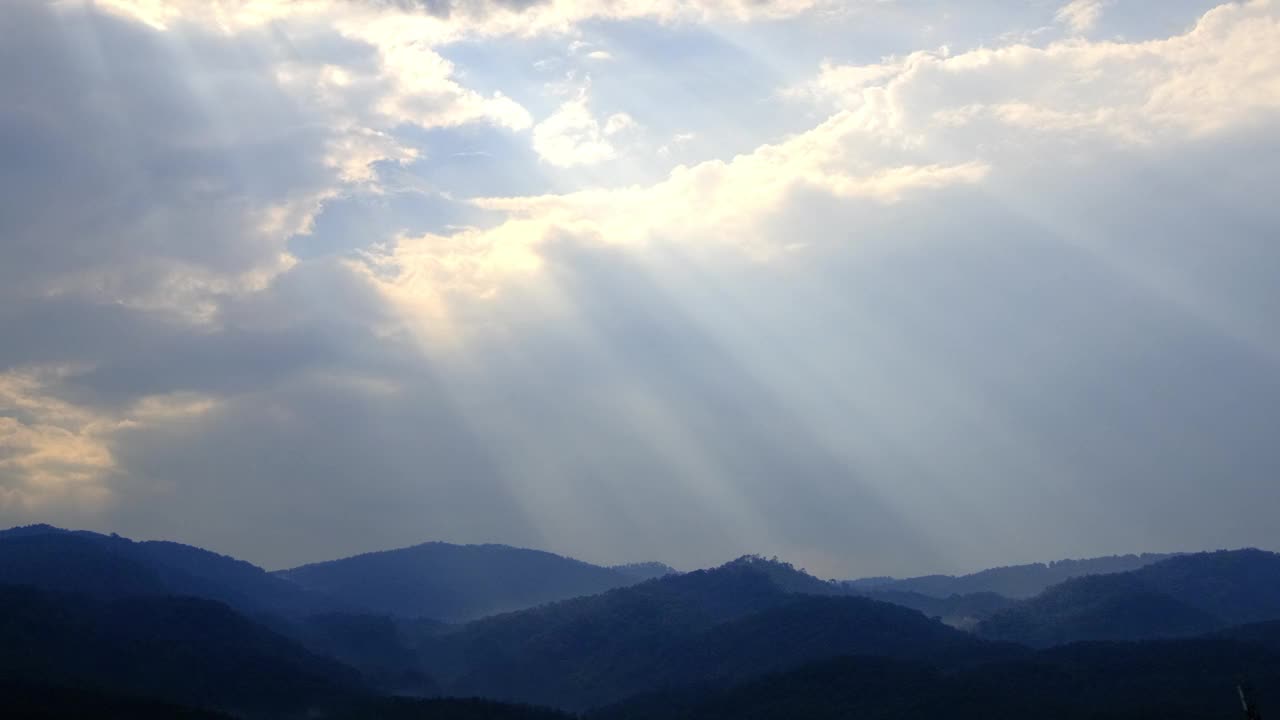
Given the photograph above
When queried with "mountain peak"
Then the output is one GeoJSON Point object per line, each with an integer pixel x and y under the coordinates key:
{"type": "Point", "coordinates": [36, 529]}
{"type": "Point", "coordinates": [784, 575]}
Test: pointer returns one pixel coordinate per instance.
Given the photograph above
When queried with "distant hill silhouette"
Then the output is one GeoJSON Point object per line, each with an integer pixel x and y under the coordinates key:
{"type": "Point", "coordinates": [745, 618]}
{"type": "Point", "coordinates": [461, 582]}
{"type": "Point", "coordinates": [1180, 596]}
{"type": "Point", "coordinates": [1014, 581]}
{"type": "Point", "coordinates": [435, 580]}
{"type": "Point", "coordinates": [112, 566]}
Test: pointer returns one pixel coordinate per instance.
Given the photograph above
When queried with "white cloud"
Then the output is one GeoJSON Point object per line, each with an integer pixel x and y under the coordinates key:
{"type": "Point", "coordinates": [465, 18]}
{"type": "Point", "coordinates": [410, 83]}
{"type": "Point", "coordinates": [908, 125]}
{"type": "Point", "coordinates": [354, 154]}
{"type": "Point", "coordinates": [414, 83]}
{"type": "Point", "coordinates": [619, 122]}
{"type": "Point", "coordinates": [572, 136]}
{"type": "Point", "coordinates": [420, 84]}
{"type": "Point", "coordinates": [711, 204]}
{"type": "Point", "coordinates": [1221, 73]}
{"type": "Point", "coordinates": [1080, 15]}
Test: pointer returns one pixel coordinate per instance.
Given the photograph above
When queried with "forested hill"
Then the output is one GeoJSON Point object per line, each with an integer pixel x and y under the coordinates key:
{"type": "Point", "coordinates": [433, 580]}
{"type": "Point", "coordinates": [1184, 595]}
{"type": "Point", "coordinates": [145, 629]}
{"type": "Point", "coordinates": [745, 618]}
{"type": "Point", "coordinates": [1014, 581]}
{"type": "Point", "coordinates": [177, 649]}
{"type": "Point", "coordinates": [1192, 679]}
{"type": "Point", "coordinates": [461, 582]}
{"type": "Point", "coordinates": [113, 566]}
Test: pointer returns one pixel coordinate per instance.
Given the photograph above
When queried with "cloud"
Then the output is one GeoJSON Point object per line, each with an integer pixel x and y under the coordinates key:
{"type": "Point", "coordinates": [619, 123]}
{"type": "Point", "coordinates": [365, 68]}
{"type": "Point", "coordinates": [994, 354]}
{"type": "Point", "coordinates": [936, 194]}
{"type": "Point", "coordinates": [419, 87]}
{"type": "Point", "coordinates": [920, 123]}
{"type": "Point", "coordinates": [131, 186]}
{"type": "Point", "coordinates": [1080, 15]}
{"type": "Point", "coordinates": [1214, 76]}
{"type": "Point", "coordinates": [714, 203]}
{"type": "Point", "coordinates": [50, 451]}
{"type": "Point", "coordinates": [572, 136]}
{"type": "Point", "coordinates": [959, 297]}
{"type": "Point", "coordinates": [445, 20]}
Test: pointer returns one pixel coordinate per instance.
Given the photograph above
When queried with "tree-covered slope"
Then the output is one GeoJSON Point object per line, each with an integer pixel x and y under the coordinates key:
{"type": "Point", "coordinates": [185, 650]}
{"type": "Point", "coordinates": [458, 582]}
{"type": "Point", "coordinates": [745, 618]}
{"type": "Point", "coordinates": [1178, 679]}
{"type": "Point", "coordinates": [1013, 581]}
{"type": "Point", "coordinates": [1181, 596]}
{"type": "Point", "coordinates": [113, 566]}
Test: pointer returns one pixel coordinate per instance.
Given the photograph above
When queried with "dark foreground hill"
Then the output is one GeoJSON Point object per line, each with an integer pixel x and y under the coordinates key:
{"type": "Point", "coordinates": [74, 656]}
{"type": "Point", "coordinates": [183, 650]}
{"type": "Point", "coordinates": [461, 582]}
{"type": "Point", "coordinates": [23, 701]}
{"type": "Point", "coordinates": [740, 620]}
{"type": "Point", "coordinates": [1014, 581]}
{"type": "Point", "coordinates": [1184, 679]}
{"type": "Point", "coordinates": [20, 701]}
{"type": "Point", "coordinates": [1181, 596]}
{"type": "Point", "coordinates": [440, 709]}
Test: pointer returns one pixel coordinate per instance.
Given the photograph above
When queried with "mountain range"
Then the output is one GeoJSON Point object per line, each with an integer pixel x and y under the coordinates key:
{"type": "Point", "coordinates": [436, 580]}
{"type": "Point", "coordinates": [157, 629]}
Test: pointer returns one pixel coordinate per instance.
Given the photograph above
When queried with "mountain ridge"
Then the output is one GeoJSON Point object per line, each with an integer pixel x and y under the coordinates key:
{"type": "Point", "coordinates": [745, 617]}
{"type": "Point", "coordinates": [1012, 581]}
{"type": "Point", "coordinates": [454, 583]}
{"type": "Point", "coordinates": [1188, 594]}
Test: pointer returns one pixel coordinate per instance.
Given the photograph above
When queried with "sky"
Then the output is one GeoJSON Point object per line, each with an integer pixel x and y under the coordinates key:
{"type": "Point", "coordinates": [875, 286]}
